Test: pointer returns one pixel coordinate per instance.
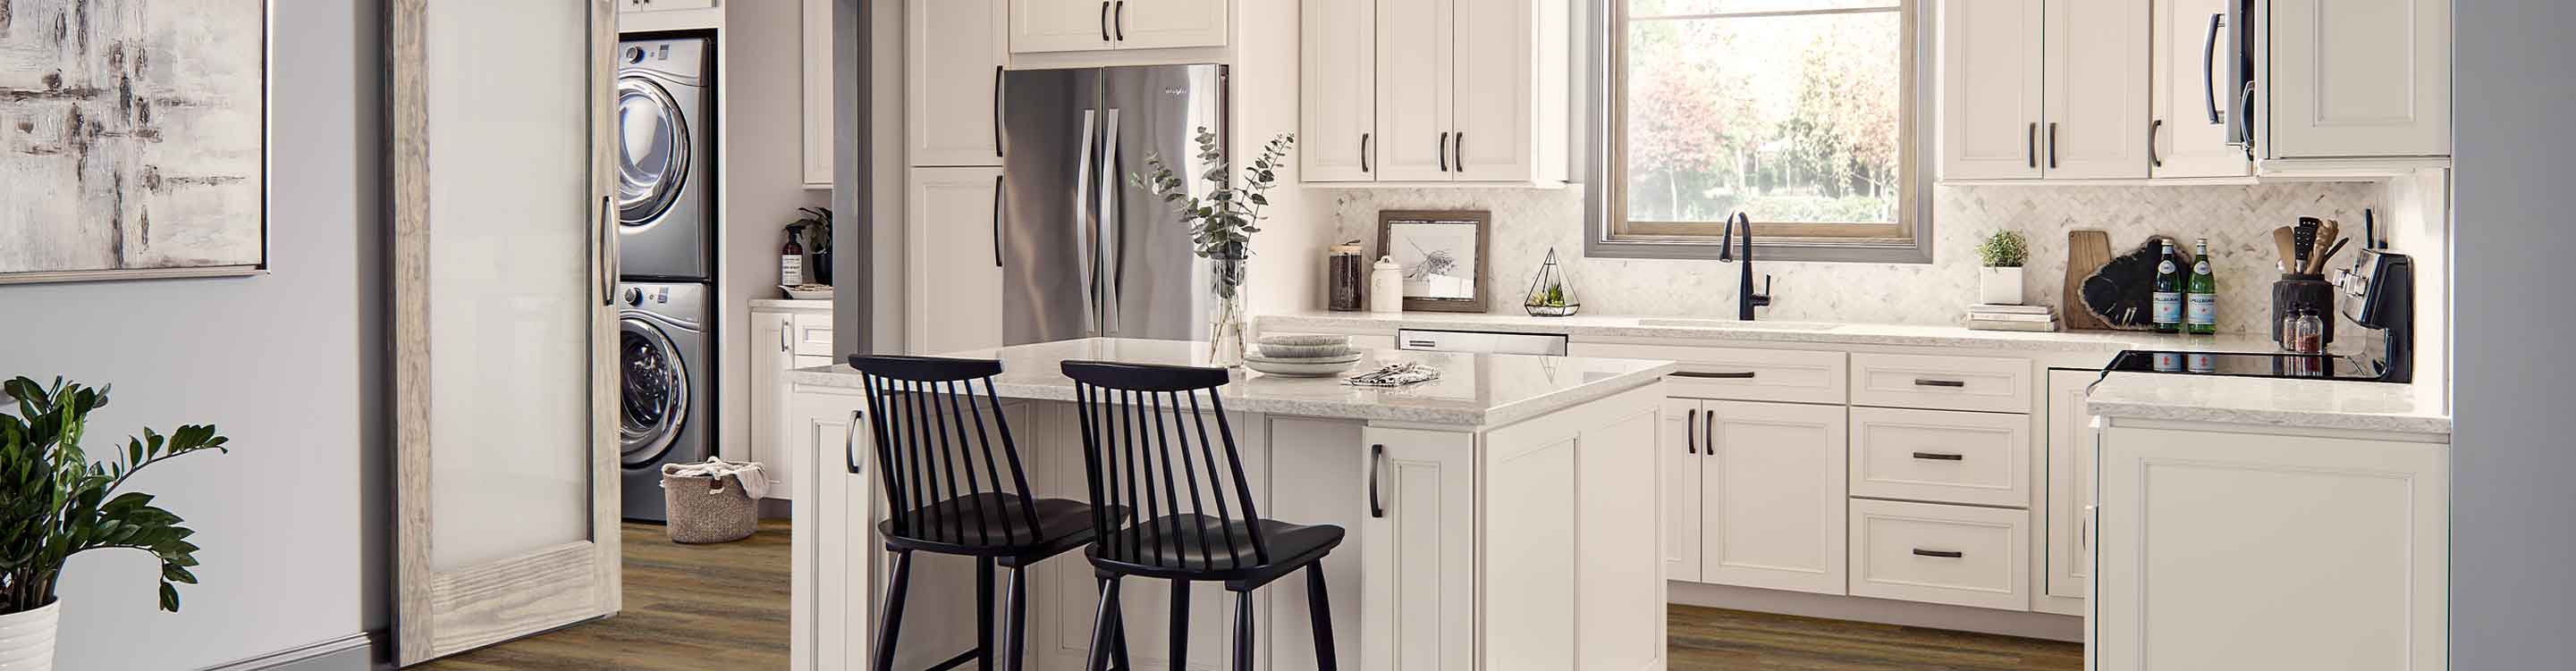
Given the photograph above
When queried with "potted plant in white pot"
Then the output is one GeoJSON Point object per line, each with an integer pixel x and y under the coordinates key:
{"type": "Point", "coordinates": [55, 503]}
{"type": "Point", "coordinates": [1999, 282]}
{"type": "Point", "coordinates": [1221, 225]}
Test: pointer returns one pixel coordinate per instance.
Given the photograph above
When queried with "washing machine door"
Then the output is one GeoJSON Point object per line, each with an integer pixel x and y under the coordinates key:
{"type": "Point", "coordinates": [652, 150]}
{"type": "Point", "coordinates": [653, 392]}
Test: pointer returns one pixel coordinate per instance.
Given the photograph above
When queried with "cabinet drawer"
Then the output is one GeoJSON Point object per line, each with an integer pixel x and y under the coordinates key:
{"type": "Point", "coordinates": [1958, 555]}
{"type": "Point", "coordinates": [1936, 455]}
{"type": "Point", "coordinates": [811, 334]}
{"type": "Point", "coordinates": [1792, 376]}
{"type": "Point", "coordinates": [1941, 382]}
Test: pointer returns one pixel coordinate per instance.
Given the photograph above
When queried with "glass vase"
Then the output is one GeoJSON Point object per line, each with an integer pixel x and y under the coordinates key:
{"type": "Point", "coordinates": [1225, 313]}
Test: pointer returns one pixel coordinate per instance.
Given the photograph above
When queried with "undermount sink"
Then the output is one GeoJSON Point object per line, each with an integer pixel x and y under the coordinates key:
{"type": "Point", "coordinates": [1735, 324]}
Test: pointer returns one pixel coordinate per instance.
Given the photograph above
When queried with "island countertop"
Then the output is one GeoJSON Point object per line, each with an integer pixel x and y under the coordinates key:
{"type": "Point", "coordinates": [1473, 389]}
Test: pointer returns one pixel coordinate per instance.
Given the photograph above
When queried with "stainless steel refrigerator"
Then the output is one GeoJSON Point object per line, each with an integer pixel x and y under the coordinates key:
{"type": "Point", "coordinates": [1085, 253]}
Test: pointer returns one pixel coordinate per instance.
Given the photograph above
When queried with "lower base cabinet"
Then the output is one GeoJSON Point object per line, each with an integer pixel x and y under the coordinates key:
{"type": "Point", "coordinates": [1933, 553]}
{"type": "Point", "coordinates": [1756, 496]}
{"type": "Point", "coordinates": [1420, 535]}
{"type": "Point", "coordinates": [2237, 549]}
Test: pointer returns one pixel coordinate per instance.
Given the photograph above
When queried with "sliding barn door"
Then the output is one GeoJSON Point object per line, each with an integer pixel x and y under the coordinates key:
{"type": "Point", "coordinates": [504, 371]}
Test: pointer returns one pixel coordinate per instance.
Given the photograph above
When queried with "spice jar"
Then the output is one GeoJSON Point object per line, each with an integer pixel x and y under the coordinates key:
{"type": "Point", "coordinates": [1347, 274]}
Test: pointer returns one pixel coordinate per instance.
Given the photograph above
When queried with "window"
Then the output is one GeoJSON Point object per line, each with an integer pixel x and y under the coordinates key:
{"type": "Point", "coordinates": [1801, 114]}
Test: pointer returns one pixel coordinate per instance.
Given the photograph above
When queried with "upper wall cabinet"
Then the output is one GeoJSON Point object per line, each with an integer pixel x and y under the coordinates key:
{"type": "Point", "coordinates": [1424, 92]}
{"type": "Point", "coordinates": [953, 81]}
{"type": "Point", "coordinates": [2044, 89]}
{"type": "Point", "coordinates": [2190, 107]}
{"type": "Point", "coordinates": [1990, 89]}
{"type": "Point", "coordinates": [1052, 26]}
{"type": "Point", "coordinates": [2358, 78]}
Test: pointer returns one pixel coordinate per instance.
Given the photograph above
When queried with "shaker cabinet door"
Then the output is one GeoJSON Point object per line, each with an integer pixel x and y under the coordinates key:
{"type": "Point", "coordinates": [1417, 551]}
{"type": "Point", "coordinates": [950, 217]}
{"type": "Point", "coordinates": [1042, 26]}
{"type": "Point", "coordinates": [1990, 89]}
{"type": "Point", "coordinates": [1681, 445]}
{"type": "Point", "coordinates": [1338, 96]}
{"type": "Point", "coordinates": [1772, 488]}
{"type": "Point", "coordinates": [2359, 78]}
{"type": "Point", "coordinates": [1414, 66]}
{"type": "Point", "coordinates": [2190, 107]}
{"type": "Point", "coordinates": [952, 82]}
{"type": "Point", "coordinates": [2095, 90]}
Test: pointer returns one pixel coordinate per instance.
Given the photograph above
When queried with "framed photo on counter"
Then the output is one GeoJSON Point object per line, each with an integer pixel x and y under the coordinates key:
{"type": "Point", "coordinates": [1445, 255]}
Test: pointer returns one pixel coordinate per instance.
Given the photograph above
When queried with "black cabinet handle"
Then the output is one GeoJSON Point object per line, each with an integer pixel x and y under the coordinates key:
{"type": "Point", "coordinates": [1104, 20]}
{"type": "Point", "coordinates": [2154, 129]}
{"type": "Point", "coordinates": [1944, 554]}
{"type": "Point", "coordinates": [2030, 144]}
{"type": "Point", "coordinates": [997, 111]}
{"type": "Point", "coordinates": [1364, 143]}
{"type": "Point", "coordinates": [1690, 434]}
{"type": "Point", "coordinates": [997, 221]}
{"type": "Point", "coordinates": [1444, 151]}
{"type": "Point", "coordinates": [1708, 431]}
{"type": "Point", "coordinates": [2208, 58]}
{"type": "Point", "coordinates": [852, 446]}
{"type": "Point", "coordinates": [2052, 145]}
{"type": "Point", "coordinates": [1458, 150]}
{"type": "Point", "coordinates": [1121, 21]}
{"type": "Point", "coordinates": [1377, 457]}
{"type": "Point", "coordinates": [1728, 375]}
{"type": "Point", "coordinates": [1954, 384]}
{"type": "Point", "coordinates": [1939, 456]}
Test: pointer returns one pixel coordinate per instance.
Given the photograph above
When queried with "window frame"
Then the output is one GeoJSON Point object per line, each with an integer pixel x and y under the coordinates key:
{"type": "Point", "coordinates": [1607, 234]}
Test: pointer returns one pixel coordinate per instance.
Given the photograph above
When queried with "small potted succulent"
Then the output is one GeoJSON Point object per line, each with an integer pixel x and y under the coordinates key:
{"type": "Point", "coordinates": [55, 503]}
{"type": "Point", "coordinates": [1999, 282]}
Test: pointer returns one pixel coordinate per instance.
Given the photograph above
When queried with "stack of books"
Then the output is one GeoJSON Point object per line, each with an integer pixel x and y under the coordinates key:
{"type": "Point", "coordinates": [2010, 318]}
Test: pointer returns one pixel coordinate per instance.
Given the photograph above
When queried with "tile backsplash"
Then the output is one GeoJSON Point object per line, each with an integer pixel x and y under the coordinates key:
{"type": "Point", "coordinates": [2238, 221]}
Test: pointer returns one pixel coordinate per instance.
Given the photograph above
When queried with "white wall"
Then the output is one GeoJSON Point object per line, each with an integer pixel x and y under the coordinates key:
{"type": "Point", "coordinates": [763, 179]}
{"type": "Point", "coordinates": [290, 365]}
{"type": "Point", "coordinates": [2512, 590]}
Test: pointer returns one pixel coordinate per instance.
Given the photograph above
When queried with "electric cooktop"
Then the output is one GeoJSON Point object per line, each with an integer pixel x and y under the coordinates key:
{"type": "Point", "coordinates": [2247, 364]}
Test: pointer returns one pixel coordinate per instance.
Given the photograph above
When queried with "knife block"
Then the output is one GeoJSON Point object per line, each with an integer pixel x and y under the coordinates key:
{"type": "Point", "coordinates": [2303, 291]}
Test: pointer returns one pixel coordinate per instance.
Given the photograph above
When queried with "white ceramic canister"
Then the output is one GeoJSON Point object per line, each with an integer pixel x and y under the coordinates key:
{"type": "Point", "coordinates": [1386, 286]}
{"type": "Point", "coordinates": [27, 639]}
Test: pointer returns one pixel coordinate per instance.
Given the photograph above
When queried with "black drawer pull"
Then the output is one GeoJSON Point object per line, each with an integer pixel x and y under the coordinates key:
{"type": "Point", "coordinates": [1739, 375]}
{"type": "Point", "coordinates": [1377, 457]}
{"type": "Point", "coordinates": [1943, 554]}
{"type": "Point", "coordinates": [1940, 456]}
{"type": "Point", "coordinates": [1954, 384]}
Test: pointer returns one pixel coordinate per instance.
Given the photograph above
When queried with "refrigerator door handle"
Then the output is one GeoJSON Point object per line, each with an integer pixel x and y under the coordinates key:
{"type": "Point", "coordinates": [1081, 229]}
{"type": "Point", "coordinates": [1113, 227]}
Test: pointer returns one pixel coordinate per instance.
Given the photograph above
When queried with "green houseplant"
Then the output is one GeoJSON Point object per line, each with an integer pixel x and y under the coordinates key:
{"type": "Point", "coordinates": [55, 504]}
{"type": "Point", "coordinates": [1221, 226]}
{"type": "Point", "coordinates": [1999, 281]}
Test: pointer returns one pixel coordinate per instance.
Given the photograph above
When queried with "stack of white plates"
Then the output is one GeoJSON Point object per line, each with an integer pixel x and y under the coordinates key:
{"type": "Point", "coordinates": [1303, 355]}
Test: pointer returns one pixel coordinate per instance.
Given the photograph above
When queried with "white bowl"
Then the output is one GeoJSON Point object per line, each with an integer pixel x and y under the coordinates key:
{"type": "Point", "coordinates": [808, 292]}
{"type": "Point", "coordinates": [1305, 339]}
{"type": "Point", "coordinates": [1280, 351]}
{"type": "Point", "coordinates": [1300, 368]}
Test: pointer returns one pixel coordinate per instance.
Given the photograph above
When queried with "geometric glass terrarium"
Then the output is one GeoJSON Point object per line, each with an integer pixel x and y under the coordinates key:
{"type": "Point", "coordinates": [1551, 294]}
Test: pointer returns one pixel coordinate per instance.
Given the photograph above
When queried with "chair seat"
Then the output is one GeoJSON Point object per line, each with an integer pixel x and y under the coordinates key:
{"type": "Point", "coordinates": [1206, 547]}
{"type": "Point", "coordinates": [996, 524]}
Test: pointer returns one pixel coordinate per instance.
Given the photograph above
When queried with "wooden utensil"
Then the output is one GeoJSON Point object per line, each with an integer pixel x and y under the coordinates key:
{"type": "Point", "coordinates": [2286, 239]}
{"type": "Point", "coordinates": [2326, 237]}
{"type": "Point", "coordinates": [2086, 251]}
{"type": "Point", "coordinates": [2328, 254]}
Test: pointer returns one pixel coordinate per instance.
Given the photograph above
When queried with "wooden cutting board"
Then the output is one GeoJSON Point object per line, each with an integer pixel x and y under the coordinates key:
{"type": "Point", "coordinates": [2086, 251]}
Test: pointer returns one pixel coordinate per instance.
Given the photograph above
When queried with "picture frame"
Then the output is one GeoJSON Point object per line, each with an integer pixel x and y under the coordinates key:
{"type": "Point", "coordinates": [1446, 254]}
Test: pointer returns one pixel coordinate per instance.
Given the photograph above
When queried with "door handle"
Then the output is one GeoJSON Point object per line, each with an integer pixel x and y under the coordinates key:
{"type": "Point", "coordinates": [2209, 59]}
{"type": "Point", "coordinates": [2052, 145]}
{"type": "Point", "coordinates": [1104, 20]}
{"type": "Point", "coordinates": [1939, 456]}
{"type": "Point", "coordinates": [1943, 554]}
{"type": "Point", "coordinates": [2154, 129]}
{"type": "Point", "coordinates": [2030, 145]}
{"type": "Point", "coordinates": [1708, 432]}
{"type": "Point", "coordinates": [607, 253]}
{"type": "Point", "coordinates": [997, 111]}
{"type": "Point", "coordinates": [851, 446]}
{"type": "Point", "coordinates": [997, 221]}
{"type": "Point", "coordinates": [1954, 384]}
{"type": "Point", "coordinates": [1121, 21]}
{"type": "Point", "coordinates": [1377, 458]}
{"type": "Point", "coordinates": [785, 327]}
{"type": "Point", "coordinates": [1728, 375]}
{"type": "Point", "coordinates": [1364, 143]}
{"type": "Point", "coordinates": [1444, 151]}
{"type": "Point", "coordinates": [1458, 149]}
{"type": "Point", "coordinates": [1690, 433]}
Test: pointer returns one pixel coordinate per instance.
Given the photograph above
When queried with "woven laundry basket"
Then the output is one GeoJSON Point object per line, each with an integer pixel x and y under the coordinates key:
{"type": "Point", "coordinates": [708, 510]}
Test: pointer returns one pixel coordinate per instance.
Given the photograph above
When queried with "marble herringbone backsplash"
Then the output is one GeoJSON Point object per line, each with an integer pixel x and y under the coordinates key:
{"type": "Point", "coordinates": [2238, 221]}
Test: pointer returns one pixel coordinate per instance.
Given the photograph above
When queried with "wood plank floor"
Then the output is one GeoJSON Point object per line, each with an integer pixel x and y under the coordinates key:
{"type": "Point", "coordinates": [698, 607]}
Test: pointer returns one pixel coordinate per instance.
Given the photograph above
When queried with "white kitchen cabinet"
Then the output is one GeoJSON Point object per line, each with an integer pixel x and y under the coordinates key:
{"type": "Point", "coordinates": [1436, 91]}
{"type": "Point", "coordinates": [1990, 89]}
{"type": "Point", "coordinates": [2357, 78]}
{"type": "Point", "coordinates": [1973, 458]}
{"type": "Point", "coordinates": [1680, 445]}
{"type": "Point", "coordinates": [782, 339]}
{"type": "Point", "coordinates": [2070, 485]}
{"type": "Point", "coordinates": [1050, 26]}
{"type": "Point", "coordinates": [834, 529]}
{"type": "Point", "coordinates": [2237, 548]}
{"type": "Point", "coordinates": [2188, 98]}
{"type": "Point", "coordinates": [2094, 98]}
{"type": "Point", "coordinates": [1338, 65]}
{"type": "Point", "coordinates": [953, 82]}
{"type": "Point", "coordinates": [628, 6]}
{"type": "Point", "coordinates": [1772, 488]}
{"type": "Point", "coordinates": [820, 67]}
{"type": "Point", "coordinates": [950, 218]}
{"type": "Point", "coordinates": [1417, 548]}
{"type": "Point", "coordinates": [1957, 555]}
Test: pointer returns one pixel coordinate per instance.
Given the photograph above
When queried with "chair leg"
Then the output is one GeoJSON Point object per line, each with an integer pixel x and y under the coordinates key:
{"type": "Point", "coordinates": [1319, 607]}
{"type": "Point", "coordinates": [1118, 646]}
{"type": "Point", "coordinates": [1180, 625]}
{"type": "Point", "coordinates": [891, 623]}
{"type": "Point", "coordinates": [984, 614]}
{"type": "Point", "coordinates": [1243, 631]}
{"type": "Point", "coordinates": [1104, 626]}
{"type": "Point", "coordinates": [1019, 624]}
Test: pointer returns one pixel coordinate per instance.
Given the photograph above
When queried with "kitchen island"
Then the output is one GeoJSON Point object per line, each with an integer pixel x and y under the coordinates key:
{"type": "Point", "coordinates": [1515, 522]}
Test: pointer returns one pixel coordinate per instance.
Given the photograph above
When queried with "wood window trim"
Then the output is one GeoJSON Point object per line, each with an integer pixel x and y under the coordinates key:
{"type": "Point", "coordinates": [1608, 232]}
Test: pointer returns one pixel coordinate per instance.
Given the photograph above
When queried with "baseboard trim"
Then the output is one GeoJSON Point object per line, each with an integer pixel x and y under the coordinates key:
{"type": "Point", "coordinates": [355, 652]}
{"type": "Point", "coordinates": [1880, 611]}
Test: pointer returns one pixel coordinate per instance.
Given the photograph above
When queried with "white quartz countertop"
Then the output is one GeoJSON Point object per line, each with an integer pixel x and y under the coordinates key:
{"type": "Point", "coordinates": [2331, 404]}
{"type": "Point", "coordinates": [1473, 390]}
{"type": "Point", "coordinates": [1728, 330]}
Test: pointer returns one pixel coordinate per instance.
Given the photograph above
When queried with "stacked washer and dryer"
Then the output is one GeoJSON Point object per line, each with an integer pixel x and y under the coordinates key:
{"type": "Point", "coordinates": [666, 246]}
